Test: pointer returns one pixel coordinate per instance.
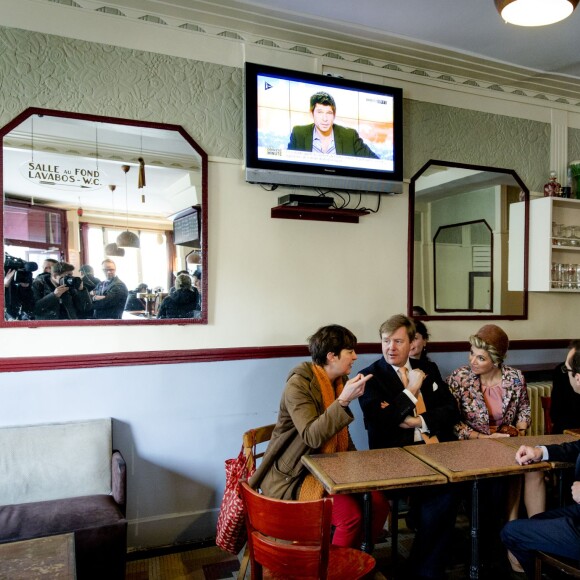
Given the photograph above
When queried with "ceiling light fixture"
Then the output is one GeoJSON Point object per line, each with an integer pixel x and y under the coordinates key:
{"type": "Point", "coordinates": [535, 12]}
{"type": "Point", "coordinates": [127, 239]}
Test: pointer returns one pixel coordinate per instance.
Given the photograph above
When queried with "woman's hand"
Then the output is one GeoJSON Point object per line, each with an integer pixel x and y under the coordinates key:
{"type": "Point", "coordinates": [353, 389]}
{"type": "Point", "coordinates": [497, 435]}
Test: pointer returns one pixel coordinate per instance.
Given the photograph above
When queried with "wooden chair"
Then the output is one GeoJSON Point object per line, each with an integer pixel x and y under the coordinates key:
{"type": "Point", "coordinates": [291, 539]}
{"type": "Point", "coordinates": [251, 440]}
{"type": "Point", "coordinates": [564, 565]}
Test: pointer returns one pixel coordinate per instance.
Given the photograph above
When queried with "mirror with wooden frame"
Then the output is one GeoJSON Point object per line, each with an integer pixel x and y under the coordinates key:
{"type": "Point", "coordinates": [104, 221]}
{"type": "Point", "coordinates": [468, 240]}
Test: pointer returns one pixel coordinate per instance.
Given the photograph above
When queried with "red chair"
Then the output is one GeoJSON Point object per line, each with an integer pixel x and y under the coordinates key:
{"type": "Point", "coordinates": [291, 539]}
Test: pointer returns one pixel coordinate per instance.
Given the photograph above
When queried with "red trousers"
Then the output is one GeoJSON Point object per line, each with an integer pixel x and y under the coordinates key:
{"type": "Point", "coordinates": [347, 517]}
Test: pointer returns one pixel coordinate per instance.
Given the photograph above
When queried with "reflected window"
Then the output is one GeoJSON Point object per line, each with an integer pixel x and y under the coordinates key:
{"type": "Point", "coordinates": [148, 264]}
{"type": "Point", "coordinates": [81, 188]}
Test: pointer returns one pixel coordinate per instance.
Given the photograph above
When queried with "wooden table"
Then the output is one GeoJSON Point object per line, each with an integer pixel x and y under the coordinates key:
{"type": "Point", "coordinates": [52, 557]}
{"type": "Point", "coordinates": [371, 470]}
{"type": "Point", "coordinates": [472, 460]}
{"type": "Point", "coordinates": [575, 432]}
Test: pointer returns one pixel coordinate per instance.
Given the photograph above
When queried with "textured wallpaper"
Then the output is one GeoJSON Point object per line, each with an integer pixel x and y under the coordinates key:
{"type": "Point", "coordinates": [452, 134]}
{"type": "Point", "coordinates": [60, 73]}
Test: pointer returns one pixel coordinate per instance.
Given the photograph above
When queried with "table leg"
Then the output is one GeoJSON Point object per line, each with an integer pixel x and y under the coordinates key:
{"type": "Point", "coordinates": [474, 567]}
{"type": "Point", "coordinates": [395, 532]}
{"type": "Point", "coordinates": [367, 544]}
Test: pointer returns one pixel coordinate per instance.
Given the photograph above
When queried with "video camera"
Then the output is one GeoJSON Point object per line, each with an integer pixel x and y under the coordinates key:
{"type": "Point", "coordinates": [72, 282]}
{"type": "Point", "coordinates": [23, 274]}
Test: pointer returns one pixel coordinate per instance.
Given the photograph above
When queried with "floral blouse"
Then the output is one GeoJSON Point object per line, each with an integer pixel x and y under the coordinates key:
{"type": "Point", "coordinates": [465, 386]}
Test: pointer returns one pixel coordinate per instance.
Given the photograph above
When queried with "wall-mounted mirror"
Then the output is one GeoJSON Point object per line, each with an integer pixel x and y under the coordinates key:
{"type": "Point", "coordinates": [468, 240]}
{"type": "Point", "coordinates": [125, 198]}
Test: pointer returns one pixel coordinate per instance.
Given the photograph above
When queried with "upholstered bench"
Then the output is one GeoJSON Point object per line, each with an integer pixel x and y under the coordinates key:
{"type": "Point", "coordinates": [61, 478]}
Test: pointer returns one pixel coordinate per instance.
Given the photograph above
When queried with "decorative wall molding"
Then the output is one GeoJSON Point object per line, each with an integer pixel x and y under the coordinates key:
{"type": "Point", "coordinates": [118, 359]}
{"type": "Point", "coordinates": [332, 41]}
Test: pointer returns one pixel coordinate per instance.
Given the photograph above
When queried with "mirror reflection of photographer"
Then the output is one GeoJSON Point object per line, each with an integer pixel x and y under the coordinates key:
{"type": "Point", "coordinates": [18, 298]}
{"type": "Point", "coordinates": [62, 296]}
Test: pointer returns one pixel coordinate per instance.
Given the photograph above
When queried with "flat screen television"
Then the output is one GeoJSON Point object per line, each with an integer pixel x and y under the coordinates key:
{"type": "Point", "coordinates": [282, 146]}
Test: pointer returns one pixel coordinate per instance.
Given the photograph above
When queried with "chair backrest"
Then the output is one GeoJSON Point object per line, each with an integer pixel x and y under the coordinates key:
{"type": "Point", "coordinates": [252, 439]}
{"type": "Point", "coordinates": [290, 538]}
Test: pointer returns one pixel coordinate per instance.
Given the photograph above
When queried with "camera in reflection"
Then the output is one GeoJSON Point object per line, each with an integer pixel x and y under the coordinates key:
{"type": "Point", "coordinates": [72, 282]}
{"type": "Point", "coordinates": [23, 274]}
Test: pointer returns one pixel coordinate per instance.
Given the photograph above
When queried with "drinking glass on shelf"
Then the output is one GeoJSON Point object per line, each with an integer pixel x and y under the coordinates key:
{"type": "Point", "coordinates": [574, 236]}
{"type": "Point", "coordinates": [571, 276]}
{"type": "Point", "coordinates": [556, 275]}
{"type": "Point", "coordinates": [556, 233]}
{"type": "Point", "coordinates": [566, 232]}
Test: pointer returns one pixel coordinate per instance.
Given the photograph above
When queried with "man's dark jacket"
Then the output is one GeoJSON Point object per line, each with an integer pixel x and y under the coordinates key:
{"type": "Point", "coordinates": [71, 305]}
{"type": "Point", "coordinates": [115, 293]}
{"type": "Point", "coordinates": [346, 141]}
{"type": "Point", "coordinates": [386, 386]}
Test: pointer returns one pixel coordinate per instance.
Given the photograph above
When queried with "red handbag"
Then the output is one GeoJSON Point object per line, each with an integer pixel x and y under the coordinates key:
{"type": "Point", "coordinates": [231, 525]}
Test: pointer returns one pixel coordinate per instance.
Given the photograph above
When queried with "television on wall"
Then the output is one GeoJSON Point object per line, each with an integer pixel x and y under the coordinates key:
{"type": "Point", "coordinates": [283, 145]}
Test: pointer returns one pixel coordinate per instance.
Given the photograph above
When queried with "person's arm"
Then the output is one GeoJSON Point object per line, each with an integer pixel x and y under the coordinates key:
{"type": "Point", "coordinates": [442, 410]}
{"type": "Point", "coordinates": [378, 410]}
{"type": "Point", "coordinates": [526, 454]}
{"type": "Point", "coordinates": [314, 427]}
{"type": "Point", "coordinates": [82, 302]}
{"type": "Point", "coordinates": [361, 149]}
{"type": "Point", "coordinates": [116, 294]}
{"type": "Point", "coordinates": [524, 411]}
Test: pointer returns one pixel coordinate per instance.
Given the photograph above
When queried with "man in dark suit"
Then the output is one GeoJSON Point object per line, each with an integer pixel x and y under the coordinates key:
{"type": "Point", "coordinates": [110, 295]}
{"type": "Point", "coordinates": [556, 531]}
{"type": "Point", "coordinates": [323, 136]}
{"type": "Point", "coordinates": [405, 403]}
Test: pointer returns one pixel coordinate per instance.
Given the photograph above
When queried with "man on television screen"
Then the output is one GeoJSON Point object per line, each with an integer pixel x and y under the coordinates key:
{"type": "Point", "coordinates": [323, 136]}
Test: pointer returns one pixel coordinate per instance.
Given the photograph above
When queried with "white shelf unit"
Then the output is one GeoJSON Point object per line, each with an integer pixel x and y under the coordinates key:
{"type": "Point", "coordinates": [543, 251]}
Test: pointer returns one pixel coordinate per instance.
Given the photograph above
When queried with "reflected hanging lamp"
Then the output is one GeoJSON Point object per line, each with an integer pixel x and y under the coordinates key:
{"type": "Point", "coordinates": [535, 12]}
{"type": "Point", "coordinates": [127, 239]}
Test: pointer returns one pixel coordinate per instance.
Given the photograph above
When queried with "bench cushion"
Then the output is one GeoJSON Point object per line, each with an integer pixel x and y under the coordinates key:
{"type": "Point", "coordinates": [55, 461]}
{"type": "Point", "coordinates": [46, 518]}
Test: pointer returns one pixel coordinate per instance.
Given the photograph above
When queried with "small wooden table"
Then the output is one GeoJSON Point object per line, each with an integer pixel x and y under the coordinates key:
{"type": "Point", "coordinates": [472, 460]}
{"type": "Point", "coordinates": [371, 470]}
{"type": "Point", "coordinates": [52, 557]}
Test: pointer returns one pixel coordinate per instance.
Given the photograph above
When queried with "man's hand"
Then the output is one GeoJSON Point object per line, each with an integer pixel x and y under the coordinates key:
{"type": "Point", "coordinates": [411, 423]}
{"type": "Point", "coordinates": [526, 455]}
{"type": "Point", "coordinates": [416, 377]}
{"type": "Point", "coordinates": [97, 298]}
{"type": "Point", "coordinates": [353, 388]}
{"type": "Point", "coordinates": [576, 491]}
{"type": "Point", "coordinates": [60, 290]}
{"type": "Point", "coordinates": [8, 278]}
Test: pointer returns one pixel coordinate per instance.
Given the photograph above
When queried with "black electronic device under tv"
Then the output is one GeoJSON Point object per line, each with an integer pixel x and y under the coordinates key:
{"type": "Point", "coordinates": [368, 132]}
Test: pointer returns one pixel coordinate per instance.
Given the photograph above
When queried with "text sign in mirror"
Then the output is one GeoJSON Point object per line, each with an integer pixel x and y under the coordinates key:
{"type": "Point", "coordinates": [104, 221]}
{"type": "Point", "coordinates": [468, 242]}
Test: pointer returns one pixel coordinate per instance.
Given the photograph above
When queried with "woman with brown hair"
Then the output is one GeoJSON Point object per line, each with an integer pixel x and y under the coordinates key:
{"type": "Point", "coordinates": [313, 417]}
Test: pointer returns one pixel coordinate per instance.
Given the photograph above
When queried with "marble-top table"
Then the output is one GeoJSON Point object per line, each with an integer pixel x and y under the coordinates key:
{"type": "Point", "coordinates": [371, 470]}
{"type": "Point", "coordinates": [473, 460]}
